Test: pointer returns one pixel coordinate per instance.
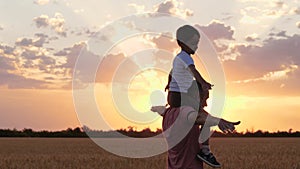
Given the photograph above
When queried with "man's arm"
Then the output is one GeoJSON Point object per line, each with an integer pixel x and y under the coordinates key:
{"type": "Point", "coordinates": [202, 118]}
{"type": "Point", "coordinates": [207, 119]}
{"type": "Point", "coordinates": [205, 85]}
{"type": "Point", "coordinates": [159, 109]}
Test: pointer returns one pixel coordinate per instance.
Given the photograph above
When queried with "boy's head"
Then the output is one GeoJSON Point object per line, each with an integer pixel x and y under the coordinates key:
{"type": "Point", "coordinates": [188, 38]}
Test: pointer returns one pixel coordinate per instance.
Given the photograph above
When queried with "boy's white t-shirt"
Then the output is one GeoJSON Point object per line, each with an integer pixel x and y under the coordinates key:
{"type": "Point", "coordinates": [182, 78]}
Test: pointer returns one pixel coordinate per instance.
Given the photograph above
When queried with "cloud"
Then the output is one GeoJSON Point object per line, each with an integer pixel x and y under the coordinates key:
{"type": "Point", "coordinates": [13, 81]}
{"type": "Point", "coordinates": [41, 39]}
{"type": "Point", "coordinates": [271, 76]}
{"type": "Point", "coordinates": [41, 21]}
{"type": "Point", "coordinates": [38, 42]}
{"type": "Point", "coordinates": [6, 63]}
{"type": "Point", "coordinates": [9, 77]}
{"type": "Point", "coordinates": [24, 42]}
{"type": "Point", "coordinates": [282, 34]}
{"type": "Point", "coordinates": [56, 23]}
{"type": "Point", "coordinates": [280, 87]}
{"type": "Point", "coordinates": [163, 41]}
{"type": "Point", "coordinates": [85, 73]}
{"type": "Point", "coordinates": [71, 54]}
{"type": "Point", "coordinates": [172, 7]}
{"type": "Point", "coordinates": [227, 16]}
{"type": "Point", "coordinates": [41, 2]}
{"type": "Point", "coordinates": [167, 7]}
{"type": "Point", "coordinates": [89, 32]}
{"type": "Point", "coordinates": [115, 67]}
{"type": "Point", "coordinates": [276, 61]}
{"type": "Point", "coordinates": [217, 30]}
{"type": "Point", "coordinates": [28, 64]}
{"type": "Point", "coordinates": [252, 37]}
{"type": "Point", "coordinates": [296, 10]}
{"type": "Point", "coordinates": [6, 59]}
{"type": "Point", "coordinates": [6, 49]}
{"type": "Point", "coordinates": [36, 63]}
{"type": "Point", "coordinates": [249, 14]}
{"type": "Point", "coordinates": [63, 52]}
{"type": "Point", "coordinates": [266, 58]}
{"type": "Point", "coordinates": [79, 10]}
{"type": "Point", "coordinates": [262, 14]}
{"type": "Point", "coordinates": [244, 1]}
{"type": "Point", "coordinates": [298, 25]}
{"type": "Point", "coordinates": [138, 8]}
{"type": "Point", "coordinates": [30, 54]}
{"type": "Point", "coordinates": [280, 4]}
{"type": "Point", "coordinates": [273, 13]}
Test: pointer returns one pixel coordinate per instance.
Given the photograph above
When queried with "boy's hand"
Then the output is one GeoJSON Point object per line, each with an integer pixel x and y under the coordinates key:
{"type": "Point", "coordinates": [226, 126]}
{"type": "Point", "coordinates": [206, 86]}
{"type": "Point", "coordinates": [167, 87]}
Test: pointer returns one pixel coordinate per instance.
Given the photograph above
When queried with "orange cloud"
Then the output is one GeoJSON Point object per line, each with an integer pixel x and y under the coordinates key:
{"type": "Point", "coordinates": [260, 70]}
{"type": "Point", "coordinates": [216, 30]}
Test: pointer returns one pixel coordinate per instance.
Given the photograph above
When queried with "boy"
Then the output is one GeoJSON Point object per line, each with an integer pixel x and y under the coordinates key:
{"type": "Point", "coordinates": [181, 88]}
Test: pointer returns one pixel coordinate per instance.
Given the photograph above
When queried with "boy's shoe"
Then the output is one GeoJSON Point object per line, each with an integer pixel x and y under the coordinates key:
{"type": "Point", "coordinates": [209, 159]}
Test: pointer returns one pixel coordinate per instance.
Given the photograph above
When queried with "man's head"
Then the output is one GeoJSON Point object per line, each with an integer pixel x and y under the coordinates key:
{"type": "Point", "coordinates": [188, 38]}
{"type": "Point", "coordinates": [198, 93]}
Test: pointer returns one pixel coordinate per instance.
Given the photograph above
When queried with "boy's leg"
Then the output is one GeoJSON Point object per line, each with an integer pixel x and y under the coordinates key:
{"type": "Point", "coordinates": [205, 153]}
{"type": "Point", "coordinates": [204, 139]}
{"type": "Point", "coordinates": [174, 99]}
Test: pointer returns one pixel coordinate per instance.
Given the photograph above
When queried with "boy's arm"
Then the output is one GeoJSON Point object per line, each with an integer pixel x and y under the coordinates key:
{"type": "Point", "coordinates": [205, 85]}
{"type": "Point", "coordinates": [169, 80]}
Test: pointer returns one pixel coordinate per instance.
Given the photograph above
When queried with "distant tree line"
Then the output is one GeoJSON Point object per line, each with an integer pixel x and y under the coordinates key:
{"type": "Point", "coordinates": [76, 132]}
{"type": "Point", "coordinates": [258, 133]}
{"type": "Point", "coordinates": [130, 132]}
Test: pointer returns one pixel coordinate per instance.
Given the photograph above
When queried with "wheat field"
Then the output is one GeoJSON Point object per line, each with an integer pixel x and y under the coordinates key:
{"type": "Point", "coordinates": [83, 153]}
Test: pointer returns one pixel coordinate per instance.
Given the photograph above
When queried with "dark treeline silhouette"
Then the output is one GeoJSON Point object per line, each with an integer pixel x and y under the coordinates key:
{"type": "Point", "coordinates": [258, 133]}
{"type": "Point", "coordinates": [130, 132]}
{"type": "Point", "coordinates": [76, 132]}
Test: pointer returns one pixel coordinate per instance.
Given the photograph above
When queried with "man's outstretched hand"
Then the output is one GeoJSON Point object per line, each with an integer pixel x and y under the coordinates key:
{"type": "Point", "coordinates": [227, 126]}
{"type": "Point", "coordinates": [159, 109]}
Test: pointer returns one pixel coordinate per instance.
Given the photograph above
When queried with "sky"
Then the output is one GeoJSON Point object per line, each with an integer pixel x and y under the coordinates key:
{"type": "Point", "coordinates": [45, 43]}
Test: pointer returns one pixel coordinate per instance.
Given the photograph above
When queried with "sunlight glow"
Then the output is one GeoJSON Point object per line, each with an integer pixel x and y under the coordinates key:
{"type": "Point", "coordinates": [144, 85]}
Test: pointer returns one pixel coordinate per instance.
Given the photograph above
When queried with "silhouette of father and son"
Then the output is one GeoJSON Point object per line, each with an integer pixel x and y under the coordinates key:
{"type": "Point", "coordinates": [184, 113]}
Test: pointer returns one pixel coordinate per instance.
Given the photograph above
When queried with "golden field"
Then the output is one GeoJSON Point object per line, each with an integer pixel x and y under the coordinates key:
{"type": "Point", "coordinates": [83, 153]}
